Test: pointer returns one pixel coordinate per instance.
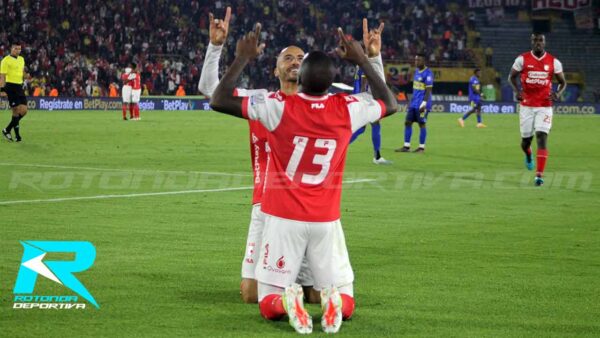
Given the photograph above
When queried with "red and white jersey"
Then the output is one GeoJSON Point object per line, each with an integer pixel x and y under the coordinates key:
{"type": "Point", "coordinates": [308, 139]}
{"type": "Point", "coordinates": [259, 148]}
{"type": "Point", "coordinates": [135, 83]}
{"type": "Point", "coordinates": [536, 77]}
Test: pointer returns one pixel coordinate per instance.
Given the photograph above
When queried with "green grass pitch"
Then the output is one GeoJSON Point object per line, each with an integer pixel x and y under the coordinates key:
{"type": "Point", "coordinates": [454, 242]}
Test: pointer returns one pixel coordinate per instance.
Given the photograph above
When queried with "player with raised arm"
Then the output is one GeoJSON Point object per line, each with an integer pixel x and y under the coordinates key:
{"type": "Point", "coordinates": [286, 70]}
{"type": "Point", "coordinates": [309, 134]}
{"type": "Point", "coordinates": [536, 68]}
{"type": "Point", "coordinates": [132, 89]}
{"type": "Point", "coordinates": [420, 105]}
{"type": "Point", "coordinates": [372, 41]}
{"type": "Point", "coordinates": [475, 98]}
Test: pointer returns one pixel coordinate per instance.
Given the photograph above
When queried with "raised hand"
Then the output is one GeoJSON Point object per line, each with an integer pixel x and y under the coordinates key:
{"type": "Point", "coordinates": [218, 29]}
{"type": "Point", "coordinates": [372, 39]}
{"type": "Point", "coordinates": [248, 47]}
{"type": "Point", "coordinates": [350, 50]}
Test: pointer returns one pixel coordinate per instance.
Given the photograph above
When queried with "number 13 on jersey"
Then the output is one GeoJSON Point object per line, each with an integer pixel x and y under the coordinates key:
{"type": "Point", "coordinates": [323, 160]}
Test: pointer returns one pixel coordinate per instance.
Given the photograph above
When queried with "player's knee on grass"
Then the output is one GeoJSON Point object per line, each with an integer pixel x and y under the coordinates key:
{"type": "Point", "coordinates": [312, 296]}
{"type": "Point", "coordinates": [408, 123]}
{"type": "Point", "coordinates": [422, 125]}
{"type": "Point", "coordinates": [249, 291]}
{"type": "Point", "coordinates": [271, 307]}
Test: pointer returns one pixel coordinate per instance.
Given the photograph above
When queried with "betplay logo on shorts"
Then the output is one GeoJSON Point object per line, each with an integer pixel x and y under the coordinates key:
{"type": "Point", "coordinates": [61, 272]}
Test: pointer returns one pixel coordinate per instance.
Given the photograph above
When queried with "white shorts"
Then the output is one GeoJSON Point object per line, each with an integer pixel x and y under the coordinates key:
{"type": "Point", "coordinates": [285, 243]}
{"type": "Point", "coordinates": [534, 119]}
{"type": "Point", "coordinates": [253, 244]}
{"type": "Point", "coordinates": [135, 95]}
{"type": "Point", "coordinates": [126, 94]}
{"type": "Point", "coordinates": [131, 95]}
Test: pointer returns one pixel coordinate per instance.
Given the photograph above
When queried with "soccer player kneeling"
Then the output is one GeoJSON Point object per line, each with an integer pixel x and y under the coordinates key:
{"type": "Point", "coordinates": [308, 135]}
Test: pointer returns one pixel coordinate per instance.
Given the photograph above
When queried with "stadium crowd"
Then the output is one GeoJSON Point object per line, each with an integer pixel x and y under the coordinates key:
{"type": "Point", "coordinates": [79, 47]}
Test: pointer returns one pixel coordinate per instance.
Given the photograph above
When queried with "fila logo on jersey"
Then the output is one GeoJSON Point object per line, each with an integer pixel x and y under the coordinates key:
{"type": "Point", "coordinates": [317, 106]}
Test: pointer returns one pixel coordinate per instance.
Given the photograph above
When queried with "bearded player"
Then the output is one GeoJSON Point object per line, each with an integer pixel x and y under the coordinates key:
{"type": "Point", "coordinates": [286, 70]}
{"type": "Point", "coordinates": [536, 69]}
{"type": "Point", "coordinates": [309, 134]}
{"type": "Point", "coordinates": [288, 63]}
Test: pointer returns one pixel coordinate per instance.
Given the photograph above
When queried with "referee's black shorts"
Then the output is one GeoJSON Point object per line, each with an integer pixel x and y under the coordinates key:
{"type": "Point", "coordinates": [15, 94]}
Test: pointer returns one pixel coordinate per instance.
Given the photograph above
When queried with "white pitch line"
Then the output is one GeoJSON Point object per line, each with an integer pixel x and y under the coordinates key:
{"type": "Point", "coordinates": [113, 169]}
{"type": "Point", "coordinates": [360, 180]}
{"type": "Point", "coordinates": [99, 197]}
{"type": "Point", "coordinates": [180, 192]}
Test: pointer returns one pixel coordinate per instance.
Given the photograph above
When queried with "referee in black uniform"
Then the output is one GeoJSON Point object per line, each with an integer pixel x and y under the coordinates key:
{"type": "Point", "coordinates": [12, 71]}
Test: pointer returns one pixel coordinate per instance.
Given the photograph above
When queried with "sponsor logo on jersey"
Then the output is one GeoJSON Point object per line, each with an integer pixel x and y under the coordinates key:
{"type": "Point", "coordinates": [266, 256]}
{"type": "Point", "coordinates": [280, 263]}
{"type": "Point", "coordinates": [317, 106]}
{"type": "Point", "coordinates": [537, 75]}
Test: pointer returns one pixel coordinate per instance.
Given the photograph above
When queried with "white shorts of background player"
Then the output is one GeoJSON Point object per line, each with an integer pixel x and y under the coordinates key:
{"type": "Point", "coordinates": [131, 95]}
{"type": "Point", "coordinates": [534, 119]}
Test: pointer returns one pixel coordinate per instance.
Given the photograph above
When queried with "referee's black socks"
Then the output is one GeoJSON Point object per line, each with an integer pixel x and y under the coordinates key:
{"type": "Point", "coordinates": [13, 123]}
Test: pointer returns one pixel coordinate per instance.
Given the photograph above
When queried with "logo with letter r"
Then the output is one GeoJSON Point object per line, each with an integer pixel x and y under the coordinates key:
{"type": "Point", "coordinates": [60, 272]}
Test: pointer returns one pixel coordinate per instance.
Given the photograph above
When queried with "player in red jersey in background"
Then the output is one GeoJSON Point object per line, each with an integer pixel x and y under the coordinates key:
{"type": "Point", "coordinates": [309, 134]}
{"type": "Point", "coordinates": [536, 69]}
{"type": "Point", "coordinates": [132, 89]}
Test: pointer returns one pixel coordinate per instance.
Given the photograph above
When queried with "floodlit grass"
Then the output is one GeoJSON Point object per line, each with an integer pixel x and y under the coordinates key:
{"type": "Point", "coordinates": [454, 242]}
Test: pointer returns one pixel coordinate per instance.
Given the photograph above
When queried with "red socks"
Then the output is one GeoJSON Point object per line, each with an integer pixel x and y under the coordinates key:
{"type": "Point", "coordinates": [542, 156]}
{"type": "Point", "coordinates": [347, 306]}
{"type": "Point", "coordinates": [271, 307]}
{"type": "Point", "coordinates": [134, 110]}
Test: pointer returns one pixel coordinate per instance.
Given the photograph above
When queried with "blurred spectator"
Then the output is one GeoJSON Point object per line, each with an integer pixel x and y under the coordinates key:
{"type": "Point", "coordinates": [180, 91]}
{"type": "Point", "coordinates": [489, 53]}
{"type": "Point", "coordinates": [80, 47]}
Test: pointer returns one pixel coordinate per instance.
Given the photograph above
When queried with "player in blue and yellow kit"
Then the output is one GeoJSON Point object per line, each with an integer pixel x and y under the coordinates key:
{"type": "Point", "coordinates": [420, 104]}
{"type": "Point", "coordinates": [475, 98]}
{"type": "Point", "coordinates": [360, 86]}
